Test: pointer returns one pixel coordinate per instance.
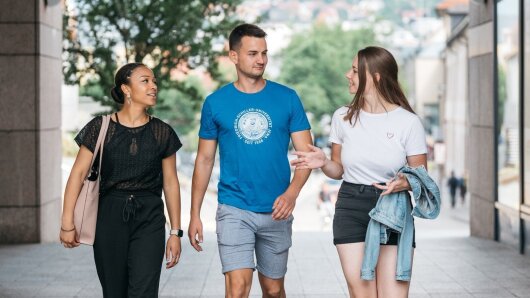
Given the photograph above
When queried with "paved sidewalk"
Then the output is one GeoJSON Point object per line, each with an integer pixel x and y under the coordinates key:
{"type": "Point", "coordinates": [447, 267]}
{"type": "Point", "coordinates": [444, 266]}
{"type": "Point", "coordinates": [448, 263]}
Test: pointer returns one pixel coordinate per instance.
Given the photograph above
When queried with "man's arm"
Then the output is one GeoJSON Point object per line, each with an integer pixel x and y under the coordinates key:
{"type": "Point", "coordinates": [199, 183]}
{"type": "Point", "coordinates": [284, 205]}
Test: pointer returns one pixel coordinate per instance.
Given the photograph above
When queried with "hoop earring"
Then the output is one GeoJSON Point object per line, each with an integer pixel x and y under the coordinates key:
{"type": "Point", "coordinates": [129, 99]}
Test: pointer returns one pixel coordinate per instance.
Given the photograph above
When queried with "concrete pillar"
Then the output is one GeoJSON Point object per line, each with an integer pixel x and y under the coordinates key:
{"type": "Point", "coordinates": [481, 128]}
{"type": "Point", "coordinates": [30, 120]}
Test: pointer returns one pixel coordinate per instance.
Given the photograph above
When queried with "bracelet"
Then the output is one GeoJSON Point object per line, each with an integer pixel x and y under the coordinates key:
{"type": "Point", "coordinates": [73, 229]}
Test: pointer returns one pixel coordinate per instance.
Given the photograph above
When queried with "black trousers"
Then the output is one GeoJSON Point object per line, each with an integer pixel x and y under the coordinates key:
{"type": "Point", "coordinates": [129, 244]}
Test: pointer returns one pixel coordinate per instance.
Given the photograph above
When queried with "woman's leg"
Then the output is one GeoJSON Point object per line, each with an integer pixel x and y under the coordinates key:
{"type": "Point", "coordinates": [146, 247]}
{"type": "Point", "coordinates": [387, 285]}
{"type": "Point", "coordinates": [146, 255]}
{"type": "Point", "coordinates": [111, 247]}
{"type": "Point", "coordinates": [351, 259]}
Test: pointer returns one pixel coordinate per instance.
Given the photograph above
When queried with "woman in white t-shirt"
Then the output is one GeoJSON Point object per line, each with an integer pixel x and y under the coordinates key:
{"type": "Point", "coordinates": [372, 138]}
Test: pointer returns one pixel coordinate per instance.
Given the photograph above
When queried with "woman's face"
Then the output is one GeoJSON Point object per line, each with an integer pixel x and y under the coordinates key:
{"type": "Point", "coordinates": [142, 87]}
{"type": "Point", "coordinates": [353, 78]}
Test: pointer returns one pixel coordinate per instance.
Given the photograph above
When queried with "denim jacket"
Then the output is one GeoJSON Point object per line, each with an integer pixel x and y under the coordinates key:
{"type": "Point", "coordinates": [394, 212]}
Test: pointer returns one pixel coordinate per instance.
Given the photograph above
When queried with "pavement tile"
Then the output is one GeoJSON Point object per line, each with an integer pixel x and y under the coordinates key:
{"type": "Point", "coordinates": [450, 295]}
{"type": "Point", "coordinates": [447, 264]}
{"type": "Point", "coordinates": [418, 295]}
{"type": "Point", "coordinates": [495, 295]}
{"type": "Point", "coordinates": [495, 292]}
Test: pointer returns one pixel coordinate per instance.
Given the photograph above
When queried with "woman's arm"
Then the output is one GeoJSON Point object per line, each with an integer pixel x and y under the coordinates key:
{"type": "Point", "coordinates": [73, 187]}
{"type": "Point", "coordinates": [316, 158]}
{"type": "Point", "coordinates": [171, 188]}
{"type": "Point", "coordinates": [415, 161]}
{"type": "Point", "coordinates": [333, 168]}
{"type": "Point", "coordinates": [400, 182]}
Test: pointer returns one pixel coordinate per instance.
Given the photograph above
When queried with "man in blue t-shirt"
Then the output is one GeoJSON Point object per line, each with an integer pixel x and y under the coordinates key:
{"type": "Point", "coordinates": [252, 120]}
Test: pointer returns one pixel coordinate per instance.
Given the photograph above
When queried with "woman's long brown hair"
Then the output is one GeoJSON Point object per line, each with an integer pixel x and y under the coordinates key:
{"type": "Point", "coordinates": [380, 61]}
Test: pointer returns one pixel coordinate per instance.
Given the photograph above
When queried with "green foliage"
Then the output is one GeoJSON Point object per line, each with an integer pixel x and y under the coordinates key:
{"type": "Point", "coordinates": [175, 108]}
{"type": "Point", "coordinates": [69, 146]}
{"type": "Point", "coordinates": [101, 35]}
{"type": "Point", "coordinates": [315, 62]}
{"type": "Point", "coordinates": [93, 89]}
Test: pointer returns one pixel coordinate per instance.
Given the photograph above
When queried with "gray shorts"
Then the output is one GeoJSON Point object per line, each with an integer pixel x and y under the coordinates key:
{"type": "Point", "coordinates": [240, 233]}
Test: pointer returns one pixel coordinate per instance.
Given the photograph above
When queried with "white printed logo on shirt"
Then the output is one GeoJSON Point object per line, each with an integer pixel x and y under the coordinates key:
{"type": "Point", "coordinates": [253, 126]}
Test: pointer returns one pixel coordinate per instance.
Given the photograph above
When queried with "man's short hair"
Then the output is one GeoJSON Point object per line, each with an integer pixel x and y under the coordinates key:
{"type": "Point", "coordinates": [234, 40]}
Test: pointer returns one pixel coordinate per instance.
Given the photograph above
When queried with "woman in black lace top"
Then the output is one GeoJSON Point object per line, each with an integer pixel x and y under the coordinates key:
{"type": "Point", "coordinates": [139, 161]}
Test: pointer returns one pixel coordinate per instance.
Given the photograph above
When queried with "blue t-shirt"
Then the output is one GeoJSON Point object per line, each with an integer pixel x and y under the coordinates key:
{"type": "Point", "coordinates": [253, 131]}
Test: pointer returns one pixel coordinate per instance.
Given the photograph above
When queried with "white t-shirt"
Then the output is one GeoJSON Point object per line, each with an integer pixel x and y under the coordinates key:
{"type": "Point", "coordinates": [378, 145]}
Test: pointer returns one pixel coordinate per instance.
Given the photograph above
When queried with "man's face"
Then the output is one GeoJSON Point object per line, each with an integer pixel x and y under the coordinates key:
{"type": "Point", "coordinates": [251, 57]}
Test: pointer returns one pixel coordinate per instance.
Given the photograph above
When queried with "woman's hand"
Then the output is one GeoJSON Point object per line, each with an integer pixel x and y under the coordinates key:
{"type": "Point", "coordinates": [173, 250]}
{"type": "Point", "coordinates": [314, 159]}
{"type": "Point", "coordinates": [69, 237]}
{"type": "Point", "coordinates": [396, 184]}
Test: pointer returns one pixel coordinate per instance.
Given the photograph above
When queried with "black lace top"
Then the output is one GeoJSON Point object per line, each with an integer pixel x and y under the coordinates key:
{"type": "Point", "coordinates": [132, 157]}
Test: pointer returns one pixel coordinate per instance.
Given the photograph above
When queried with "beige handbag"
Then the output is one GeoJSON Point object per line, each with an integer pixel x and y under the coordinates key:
{"type": "Point", "coordinates": [86, 207]}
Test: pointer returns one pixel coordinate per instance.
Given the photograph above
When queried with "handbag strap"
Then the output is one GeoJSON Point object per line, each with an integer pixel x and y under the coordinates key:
{"type": "Point", "coordinates": [99, 143]}
{"type": "Point", "coordinates": [104, 128]}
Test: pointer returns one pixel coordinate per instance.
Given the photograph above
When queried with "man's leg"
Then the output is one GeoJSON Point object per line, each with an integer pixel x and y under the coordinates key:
{"type": "Point", "coordinates": [238, 283]}
{"type": "Point", "coordinates": [273, 240]}
{"type": "Point", "coordinates": [236, 240]}
{"type": "Point", "coordinates": [272, 287]}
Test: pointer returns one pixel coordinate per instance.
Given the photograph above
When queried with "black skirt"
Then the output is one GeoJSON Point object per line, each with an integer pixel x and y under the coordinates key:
{"type": "Point", "coordinates": [350, 223]}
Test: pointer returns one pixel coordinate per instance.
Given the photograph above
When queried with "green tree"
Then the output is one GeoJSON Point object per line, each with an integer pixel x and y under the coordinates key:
{"type": "Point", "coordinates": [176, 109]}
{"type": "Point", "coordinates": [101, 35]}
{"type": "Point", "coordinates": [314, 63]}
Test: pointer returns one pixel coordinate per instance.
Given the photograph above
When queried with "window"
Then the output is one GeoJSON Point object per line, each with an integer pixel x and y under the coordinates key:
{"type": "Point", "coordinates": [527, 102]}
{"type": "Point", "coordinates": [508, 103]}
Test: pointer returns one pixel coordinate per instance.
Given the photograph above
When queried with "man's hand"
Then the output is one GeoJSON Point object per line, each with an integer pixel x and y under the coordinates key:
{"type": "Point", "coordinates": [173, 250]}
{"type": "Point", "coordinates": [195, 232]}
{"type": "Point", "coordinates": [283, 206]}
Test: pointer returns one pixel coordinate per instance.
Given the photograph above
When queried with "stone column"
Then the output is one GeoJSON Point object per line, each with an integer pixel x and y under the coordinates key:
{"type": "Point", "coordinates": [481, 128]}
{"type": "Point", "coordinates": [30, 120]}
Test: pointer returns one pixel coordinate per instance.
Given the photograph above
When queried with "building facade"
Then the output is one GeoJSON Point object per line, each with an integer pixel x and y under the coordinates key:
{"type": "Point", "coordinates": [454, 106]}
{"type": "Point", "coordinates": [499, 104]}
{"type": "Point", "coordinates": [30, 120]}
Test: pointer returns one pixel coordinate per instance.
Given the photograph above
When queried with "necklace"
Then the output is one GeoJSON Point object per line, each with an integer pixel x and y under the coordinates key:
{"type": "Point", "coordinates": [133, 147]}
